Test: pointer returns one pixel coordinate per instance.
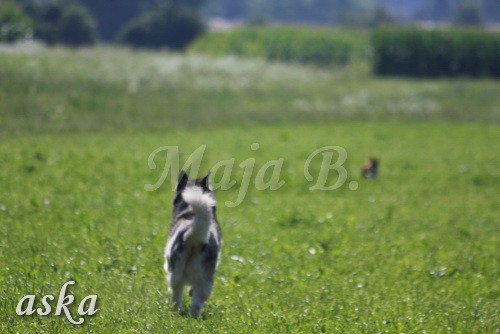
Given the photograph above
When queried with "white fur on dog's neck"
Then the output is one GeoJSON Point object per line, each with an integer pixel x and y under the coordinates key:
{"type": "Point", "coordinates": [202, 204]}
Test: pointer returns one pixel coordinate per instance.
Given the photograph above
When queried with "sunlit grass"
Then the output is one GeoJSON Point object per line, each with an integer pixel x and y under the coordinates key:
{"type": "Point", "coordinates": [413, 251]}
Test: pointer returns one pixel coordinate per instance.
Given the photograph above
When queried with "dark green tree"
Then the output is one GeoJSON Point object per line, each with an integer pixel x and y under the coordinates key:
{"type": "Point", "coordinates": [381, 16]}
{"type": "Point", "coordinates": [14, 24]}
{"type": "Point", "coordinates": [77, 27]}
{"type": "Point", "coordinates": [172, 26]}
{"type": "Point", "coordinates": [469, 14]}
{"type": "Point", "coordinates": [113, 15]}
{"type": "Point", "coordinates": [61, 22]}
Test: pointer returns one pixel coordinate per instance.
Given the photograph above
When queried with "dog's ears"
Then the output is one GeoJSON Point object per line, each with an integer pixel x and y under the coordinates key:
{"type": "Point", "coordinates": [205, 183]}
{"type": "Point", "coordinates": [182, 181]}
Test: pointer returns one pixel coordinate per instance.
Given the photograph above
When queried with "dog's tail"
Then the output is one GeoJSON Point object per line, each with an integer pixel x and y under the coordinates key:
{"type": "Point", "coordinates": [202, 204]}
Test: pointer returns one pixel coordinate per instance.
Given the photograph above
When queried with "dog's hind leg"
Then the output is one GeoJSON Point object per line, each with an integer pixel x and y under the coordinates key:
{"type": "Point", "coordinates": [200, 294]}
{"type": "Point", "coordinates": [177, 296]}
{"type": "Point", "coordinates": [177, 289]}
{"type": "Point", "coordinates": [203, 287]}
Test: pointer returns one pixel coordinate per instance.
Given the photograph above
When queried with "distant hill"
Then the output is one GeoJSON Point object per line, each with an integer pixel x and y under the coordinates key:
{"type": "Point", "coordinates": [402, 9]}
{"type": "Point", "coordinates": [436, 10]}
{"type": "Point", "coordinates": [336, 11]}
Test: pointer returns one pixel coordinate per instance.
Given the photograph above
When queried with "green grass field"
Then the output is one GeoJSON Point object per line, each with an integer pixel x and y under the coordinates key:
{"type": "Point", "coordinates": [415, 251]}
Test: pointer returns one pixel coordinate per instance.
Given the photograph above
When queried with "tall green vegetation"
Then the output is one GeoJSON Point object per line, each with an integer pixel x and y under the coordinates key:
{"type": "Point", "coordinates": [321, 47]}
{"type": "Point", "coordinates": [436, 53]}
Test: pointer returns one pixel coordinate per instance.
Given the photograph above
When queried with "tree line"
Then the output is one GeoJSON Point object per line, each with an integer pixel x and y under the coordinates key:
{"type": "Point", "coordinates": [140, 23]}
{"type": "Point", "coordinates": [175, 23]}
{"type": "Point", "coordinates": [350, 12]}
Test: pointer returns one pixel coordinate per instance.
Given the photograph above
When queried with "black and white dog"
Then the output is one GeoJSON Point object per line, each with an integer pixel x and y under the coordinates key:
{"type": "Point", "coordinates": [194, 242]}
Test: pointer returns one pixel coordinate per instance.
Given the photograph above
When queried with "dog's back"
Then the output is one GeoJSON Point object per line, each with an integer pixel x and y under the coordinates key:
{"type": "Point", "coordinates": [193, 246]}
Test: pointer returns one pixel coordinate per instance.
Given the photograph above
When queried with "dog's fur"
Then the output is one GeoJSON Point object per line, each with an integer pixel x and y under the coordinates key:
{"type": "Point", "coordinates": [194, 242]}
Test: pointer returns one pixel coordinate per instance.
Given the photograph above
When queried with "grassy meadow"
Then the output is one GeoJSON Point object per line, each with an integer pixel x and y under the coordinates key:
{"type": "Point", "coordinates": [415, 251]}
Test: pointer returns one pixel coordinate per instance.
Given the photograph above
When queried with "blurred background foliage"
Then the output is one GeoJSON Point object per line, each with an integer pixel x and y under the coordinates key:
{"type": "Point", "coordinates": [289, 30]}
